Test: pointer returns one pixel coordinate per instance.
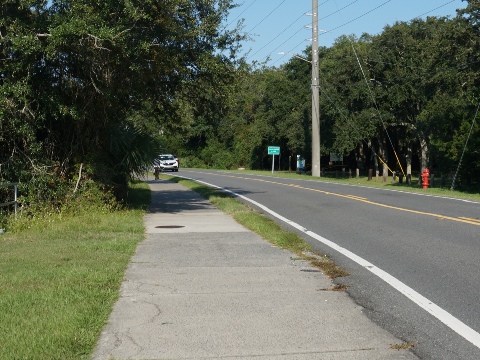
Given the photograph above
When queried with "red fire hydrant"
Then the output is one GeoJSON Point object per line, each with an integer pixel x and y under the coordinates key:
{"type": "Point", "coordinates": [425, 176]}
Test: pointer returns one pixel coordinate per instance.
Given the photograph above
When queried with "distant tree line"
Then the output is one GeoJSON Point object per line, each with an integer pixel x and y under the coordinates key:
{"type": "Point", "coordinates": [399, 101]}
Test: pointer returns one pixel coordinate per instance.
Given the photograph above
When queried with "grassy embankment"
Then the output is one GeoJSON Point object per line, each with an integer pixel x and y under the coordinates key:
{"type": "Point", "coordinates": [60, 278]}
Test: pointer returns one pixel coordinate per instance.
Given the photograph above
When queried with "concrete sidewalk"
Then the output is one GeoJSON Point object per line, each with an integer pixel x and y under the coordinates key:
{"type": "Point", "coordinates": [201, 286]}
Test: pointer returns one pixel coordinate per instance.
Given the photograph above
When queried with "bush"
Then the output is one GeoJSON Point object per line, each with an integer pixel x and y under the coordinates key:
{"type": "Point", "coordinates": [192, 162]}
{"type": "Point", "coordinates": [48, 198]}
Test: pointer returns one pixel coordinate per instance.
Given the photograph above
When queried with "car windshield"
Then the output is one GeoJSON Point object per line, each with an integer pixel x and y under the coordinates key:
{"type": "Point", "coordinates": [167, 157]}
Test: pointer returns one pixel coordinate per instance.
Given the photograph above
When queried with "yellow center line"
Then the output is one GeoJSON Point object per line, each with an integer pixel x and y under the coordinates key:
{"type": "Point", "coordinates": [366, 201]}
{"type": "Point", "coordinates": [470, 219]}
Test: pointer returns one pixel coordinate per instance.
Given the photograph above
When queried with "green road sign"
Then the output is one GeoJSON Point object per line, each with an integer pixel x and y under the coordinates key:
{"type": "Point", "coordinates": [274, 150]}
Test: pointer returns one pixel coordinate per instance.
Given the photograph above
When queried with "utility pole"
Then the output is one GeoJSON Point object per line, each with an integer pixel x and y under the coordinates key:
{"type": "Point", "coordinates": [315, 94]}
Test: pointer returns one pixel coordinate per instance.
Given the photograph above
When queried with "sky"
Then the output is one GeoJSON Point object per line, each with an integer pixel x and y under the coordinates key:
{"type": "Point", "coordinates": [279, 25]}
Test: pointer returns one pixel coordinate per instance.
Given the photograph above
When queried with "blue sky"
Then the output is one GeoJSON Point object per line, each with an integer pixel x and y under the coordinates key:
{"type": "Point", "coordinates": [279, 25]}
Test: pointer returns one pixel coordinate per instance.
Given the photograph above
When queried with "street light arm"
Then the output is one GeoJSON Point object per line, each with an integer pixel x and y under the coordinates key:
{"type": "Point", "coordinates": [294, 55]}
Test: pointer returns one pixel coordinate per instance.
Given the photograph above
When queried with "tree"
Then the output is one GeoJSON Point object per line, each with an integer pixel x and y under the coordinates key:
{"type": "Point", "coordinates": [348, 105]}
{"type": "Point", "coordinates": [74, 77]}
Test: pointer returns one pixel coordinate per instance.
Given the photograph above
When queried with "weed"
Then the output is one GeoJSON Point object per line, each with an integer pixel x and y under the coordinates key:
{"type": "Point", "coordinates": [337, 287]}
{"type": "Point", "coordinates": [403, 346]}
{"type": "Point", "coordinates": [329, 268]}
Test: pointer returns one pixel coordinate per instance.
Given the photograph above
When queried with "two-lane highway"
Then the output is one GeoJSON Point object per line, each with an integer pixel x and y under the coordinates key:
{"type": "Point", "coordinates": [414, 259]}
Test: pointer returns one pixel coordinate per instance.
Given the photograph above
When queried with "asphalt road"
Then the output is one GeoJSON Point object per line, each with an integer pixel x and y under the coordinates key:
{"type": "Point", "coordinates": [419, 270]}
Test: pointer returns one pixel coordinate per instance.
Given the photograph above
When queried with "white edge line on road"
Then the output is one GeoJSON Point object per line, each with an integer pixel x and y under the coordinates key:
{"type": "Point", "coordinates": [445, 317]}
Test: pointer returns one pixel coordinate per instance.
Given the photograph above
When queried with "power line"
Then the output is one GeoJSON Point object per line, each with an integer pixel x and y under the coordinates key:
{"type": "Point", "coordinates": [464, 148]}
{"type": "Point", "coordinates": [378, 110]}
{"type": "Point", "coordinates": [414, 76]}
{"type": "Point", "coordinates": [324, 32]}
{"type": "Point", "coordinates": [248, 7]}
{"type": "Point", "coordinates": [288, 27]}
{"type": "Point", "coordinates": [302, 28]}
{"type": "Point", "coordinates": [278, 47]}
{"type": "Point", "coordinates": [271, 12]}
{"type": "Point", "coordinates": [439, 7]}
{"type": "Point", "coordinates": [338, 10]}
{"type": "Point", "coordinates": [291, 51]}
{"type": "Point", "coordinates": [418, 16]}
{"type": "Point", "coordinates": [358, 17]}
{"type": "Point", "coordinates": [276, 37]}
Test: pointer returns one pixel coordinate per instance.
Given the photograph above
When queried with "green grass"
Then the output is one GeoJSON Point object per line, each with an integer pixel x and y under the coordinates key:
{"type": "Point", "coordinates": [59, 281]}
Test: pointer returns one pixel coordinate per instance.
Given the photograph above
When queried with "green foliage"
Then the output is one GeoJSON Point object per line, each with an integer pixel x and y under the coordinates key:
{"type": "Point", "coordinates": [191, 161]}
{"type": "Point", "coordinates": [406, 97]}
{"type": "Point", "coordinates": [94, 83]}
{"type": "Point", "coordinates": [46, 201]}
{"type": "Point", "coordinates": [111, 84]}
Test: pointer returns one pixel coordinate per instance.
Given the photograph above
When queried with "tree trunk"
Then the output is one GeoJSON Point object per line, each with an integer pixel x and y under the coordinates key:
{"type": "Point", "coordinates": [384, 155]}
{"type": "Point", "coordinates": [373, 160]}
{"type": "Point", "coordinates": [360, 158]}
{"type": "Point", "coordinates": [408, 158]}
{"type": "Point", "coordinates": [423, 153]}
{"type": "Point", "coordinates": [409, 163]}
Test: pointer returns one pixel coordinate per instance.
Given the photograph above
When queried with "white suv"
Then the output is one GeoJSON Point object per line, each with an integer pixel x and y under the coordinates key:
{"type": "Point", "coordinates": [167, 162]}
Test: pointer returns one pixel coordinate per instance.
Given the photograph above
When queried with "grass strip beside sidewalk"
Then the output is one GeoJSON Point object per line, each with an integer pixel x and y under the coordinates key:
{"type": "Point", "coordinates": [263, 226]}
{"type": "Point", "coordinates": [58, 282]}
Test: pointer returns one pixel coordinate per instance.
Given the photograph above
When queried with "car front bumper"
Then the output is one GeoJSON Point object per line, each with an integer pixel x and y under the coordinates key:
{"type": "Point", "coordinates": [171, 167]}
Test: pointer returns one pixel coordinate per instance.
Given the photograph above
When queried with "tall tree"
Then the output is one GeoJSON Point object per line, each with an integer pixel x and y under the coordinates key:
{"type": "Point", "coordinates": [73, 76]}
